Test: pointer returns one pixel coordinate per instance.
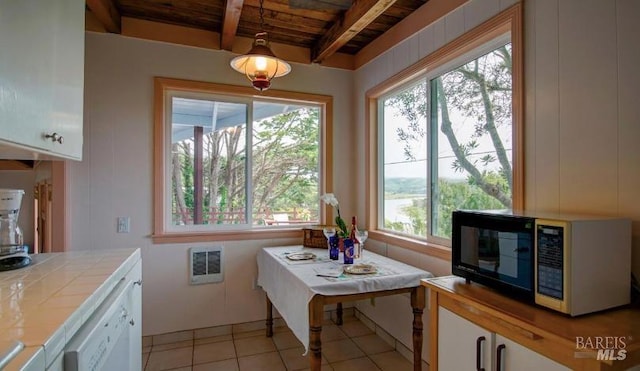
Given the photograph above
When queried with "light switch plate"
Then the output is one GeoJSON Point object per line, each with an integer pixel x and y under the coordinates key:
{"type": "Point", "coordinates": [124, 223]}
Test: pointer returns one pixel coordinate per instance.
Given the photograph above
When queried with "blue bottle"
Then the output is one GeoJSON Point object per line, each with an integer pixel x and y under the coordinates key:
{"type": "Point", "coordinates": [348, 251]}
{"type": "Point", "coordinates": [334, 250]}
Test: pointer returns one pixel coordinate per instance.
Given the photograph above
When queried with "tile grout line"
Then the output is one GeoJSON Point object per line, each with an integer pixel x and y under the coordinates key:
{"type": "Point", "coordinates": [193, 348]}
{"type": "Point", "coordinates": [280, 354]}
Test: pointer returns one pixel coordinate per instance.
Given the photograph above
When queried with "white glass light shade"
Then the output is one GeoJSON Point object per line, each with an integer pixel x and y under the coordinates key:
{"type": "Point", "coordinates": [260, 65]}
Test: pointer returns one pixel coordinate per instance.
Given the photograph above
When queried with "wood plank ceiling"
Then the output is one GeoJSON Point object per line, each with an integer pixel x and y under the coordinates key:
{"type": "Point", "coordinates": [323, 26]}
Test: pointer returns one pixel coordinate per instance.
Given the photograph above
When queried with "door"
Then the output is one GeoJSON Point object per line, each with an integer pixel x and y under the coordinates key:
{"type": "Point", "coordinates": [462, 345]}
{"type": "Point", "coordinates": [513, 356]}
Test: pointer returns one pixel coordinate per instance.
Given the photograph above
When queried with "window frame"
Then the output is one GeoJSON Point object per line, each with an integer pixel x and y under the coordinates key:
{"type": "Point", "coordinates": [508, 21]}
{"type": "Point", "coordinates": [163, 87]}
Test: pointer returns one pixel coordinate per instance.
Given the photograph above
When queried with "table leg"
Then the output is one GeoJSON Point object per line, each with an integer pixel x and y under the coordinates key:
{"type": "Point", "coordinates": [316, 308]}
{"type": "Point", "coordinates": [417, 303]}
{"type": "Point", "coordinates": [339, 314]}
{"type": "Point", "coordinates": [269, 322]}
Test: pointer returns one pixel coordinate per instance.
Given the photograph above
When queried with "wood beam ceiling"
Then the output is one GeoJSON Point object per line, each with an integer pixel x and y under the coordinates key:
{"type": "Point", "coordinates": [230, 21]}
{"type": "Point", "coordinates": [355, 19]}
{"type": "Point", "coordinates": [106, 12]}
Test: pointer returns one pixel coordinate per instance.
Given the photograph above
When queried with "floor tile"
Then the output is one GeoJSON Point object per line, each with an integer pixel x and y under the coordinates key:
{"type": "Point", "coordinates": [173, 337]}
{"type": "Point", "coordinates": [340, 350]}
{"type": "Point", "coordinates": [355, 328]}
{"type": "Point", "coordinates": [213, 339]}
{"type": "Point", "coordinates": [326, 367]}
{"type": "Point", "coordinates": [286, 340]}
{"type": "Point", "coordinates": [205, 353]}
{"type": "Point", "coordinates": [348, 318]}
{"type": "Point", "coordinates": [332, 332]}
{"type": "Point", "coordinates": [254, 345]}
{"type": "Point", "coordinates": [372, 344]}
{"type": "Point", "coordinates": [295, 360]}
{"type": "Point", "coordinates": [212, 331]}
{"type": "Point", "coordinates": [168, 359]}
{"type": "Point", "coordinates": [262, 362]}
{"type": "Point", "coordinates": [226, 365]}
{"type": "Point", "coordinates": [350, 347]}
{"type": "Point", "coordinates": [179, 344]}
{"type": "Point", "coordinates": [248, 326]}
{"type": "Point", "coordinates": [248, 334]}
{"type": "Point", "coordinates": [391, 361]}
{"type": "Point", "coordinates": [357, 364]}
{"type": "Point", "coordinates": [145, 358]}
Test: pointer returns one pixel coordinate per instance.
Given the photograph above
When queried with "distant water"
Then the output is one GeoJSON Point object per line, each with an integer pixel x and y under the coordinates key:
{"type": "Point", "coordinates": [393, 210]}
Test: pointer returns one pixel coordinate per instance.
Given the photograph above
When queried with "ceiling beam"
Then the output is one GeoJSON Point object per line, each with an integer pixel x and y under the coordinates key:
{"type": "Point", "coordinates": [354, 20]}
{"type": "Point", "coordinates": [230, 21]}
{"type": "Point", "coordinates": [107, 13]}
{"type": "Point", "coordinates": [284, 6]}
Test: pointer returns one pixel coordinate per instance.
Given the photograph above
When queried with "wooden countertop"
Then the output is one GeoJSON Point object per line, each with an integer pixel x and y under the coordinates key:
{"type": "Point", "coordinates": [529, 324]}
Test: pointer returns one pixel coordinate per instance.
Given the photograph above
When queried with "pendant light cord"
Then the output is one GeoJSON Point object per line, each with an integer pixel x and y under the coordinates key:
{"type": "Point", "coordinates": [261, 15]}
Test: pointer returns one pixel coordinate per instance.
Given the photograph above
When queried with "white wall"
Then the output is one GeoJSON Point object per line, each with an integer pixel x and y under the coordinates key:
{"type": "Point", "coordinates": [115, 177]}
{"type": "Point", "coordinates": [582, 114]}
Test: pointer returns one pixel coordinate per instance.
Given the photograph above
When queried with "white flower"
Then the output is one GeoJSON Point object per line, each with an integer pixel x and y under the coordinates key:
{"type": "Point", "coordinates": [330, 199]}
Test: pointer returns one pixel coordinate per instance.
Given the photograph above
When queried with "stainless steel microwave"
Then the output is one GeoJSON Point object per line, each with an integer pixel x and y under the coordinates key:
{"type": "Point", "coordinates": [568, 263]}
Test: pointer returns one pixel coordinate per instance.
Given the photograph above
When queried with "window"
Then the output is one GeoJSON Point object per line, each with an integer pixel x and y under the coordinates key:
{"type": "Point", "coordinates": [447, 136]}
{"type": "Point", "coordinates": [234, 164]}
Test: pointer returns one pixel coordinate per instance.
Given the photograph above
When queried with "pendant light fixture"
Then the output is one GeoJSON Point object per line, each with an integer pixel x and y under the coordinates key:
{"type": "Point", "coordinates": [260, 65]}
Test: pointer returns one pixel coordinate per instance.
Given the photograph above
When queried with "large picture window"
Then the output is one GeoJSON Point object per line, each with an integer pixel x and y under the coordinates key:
{"type": "Point", "coordinates": [233, 163]}
{"type": "Point", "coordinates": [446, 137]}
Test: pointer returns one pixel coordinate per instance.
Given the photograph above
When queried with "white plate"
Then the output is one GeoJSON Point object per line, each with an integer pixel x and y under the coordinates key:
{"type": "Point", "coordinates": [360, 269]}
{"type": "Point", "coordinates": [301, 256]}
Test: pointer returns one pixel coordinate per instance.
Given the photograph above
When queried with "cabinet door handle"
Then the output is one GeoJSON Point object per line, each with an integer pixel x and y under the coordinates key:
{"type": "Point", "coordinates": [501, 347]}
{"type": "Point", "coordinates": [138, 282]}
{"type": "Point", "coordinates": [479, 341]}
{"type": "Point", "coordinates": [55, 137]}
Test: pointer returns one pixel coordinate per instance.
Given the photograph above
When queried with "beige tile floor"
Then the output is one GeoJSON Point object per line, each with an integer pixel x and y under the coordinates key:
{"type": "Point", "coordinates": [350, 347]}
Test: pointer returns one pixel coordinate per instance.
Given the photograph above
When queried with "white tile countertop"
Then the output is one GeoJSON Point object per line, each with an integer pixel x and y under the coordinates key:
{"type": "Point", "coordinates": [44, 304]}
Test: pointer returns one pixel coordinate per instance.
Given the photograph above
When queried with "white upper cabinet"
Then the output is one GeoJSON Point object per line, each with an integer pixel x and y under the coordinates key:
{"type": "Point", "coordinates": [41, 78]}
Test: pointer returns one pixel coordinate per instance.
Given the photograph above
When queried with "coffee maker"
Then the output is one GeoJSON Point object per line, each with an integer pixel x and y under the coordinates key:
{"type": "Point", "coordinates": [14, 253]}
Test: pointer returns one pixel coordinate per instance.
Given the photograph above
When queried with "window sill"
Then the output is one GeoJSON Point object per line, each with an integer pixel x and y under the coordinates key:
{"type": "Point", "coordinates": [258, 234]}
{"type": "Point", "coordinates": [438, 251]}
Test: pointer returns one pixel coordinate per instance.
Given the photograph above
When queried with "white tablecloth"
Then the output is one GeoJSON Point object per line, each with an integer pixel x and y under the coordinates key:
{"type": "Point", "coordinates": [291, 285]}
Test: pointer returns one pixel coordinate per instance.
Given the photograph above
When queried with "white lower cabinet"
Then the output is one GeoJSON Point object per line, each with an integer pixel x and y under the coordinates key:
{"type": "Point", "coordinates": [463, 345]}
{"type": "Point", "coordinates": [134, 277]}
{"type": "Point", "coordinates": [57, 364]}
{"type": "Point", "coordinates": [514, 356]}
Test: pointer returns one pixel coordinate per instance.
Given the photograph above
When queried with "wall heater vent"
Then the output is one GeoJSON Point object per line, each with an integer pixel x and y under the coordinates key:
{"type": "Point", "coordinates": [206, 264]}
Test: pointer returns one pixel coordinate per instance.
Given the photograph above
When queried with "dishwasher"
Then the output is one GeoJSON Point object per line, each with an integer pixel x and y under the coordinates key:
{"type": "Point", "coordinates": [104, 341]}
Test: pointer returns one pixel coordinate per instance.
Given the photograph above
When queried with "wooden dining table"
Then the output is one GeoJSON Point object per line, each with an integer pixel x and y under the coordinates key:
{"type": "Point", "coordinates": [300, 281]}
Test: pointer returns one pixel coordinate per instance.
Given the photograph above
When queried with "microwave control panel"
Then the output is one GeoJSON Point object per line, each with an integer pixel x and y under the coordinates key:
{"type": "Point", "coordinates": [550, 246]}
